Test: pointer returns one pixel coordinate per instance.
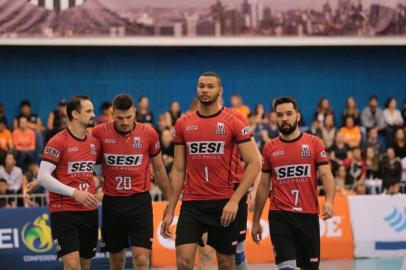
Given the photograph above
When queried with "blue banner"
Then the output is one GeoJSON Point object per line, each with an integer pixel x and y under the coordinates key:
{"type": "Point", "coordinates": [26, 241]}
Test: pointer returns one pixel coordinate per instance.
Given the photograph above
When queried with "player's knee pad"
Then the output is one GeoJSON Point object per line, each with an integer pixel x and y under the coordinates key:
{"type": "Point", "coordinates": [287, 265]}
{"type": "Point", "coordinates": [239, 258]}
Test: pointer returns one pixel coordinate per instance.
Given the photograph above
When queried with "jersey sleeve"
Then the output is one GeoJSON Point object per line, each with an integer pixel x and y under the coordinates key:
{"type": "Point", "coordinates": [266, 165]}
{"type": "Point", "coordinates": [241, 131]}
{"type": "Point", "coordinates": [178, 132]}
{"type": "Point", "coordinates": [154, 146]}
{"type": "Point", "coordinates": [98, 150]}
{"type": "Point", "coordinates": [53, 150]}
{"type": "Point", "coordinates": [320, 153]}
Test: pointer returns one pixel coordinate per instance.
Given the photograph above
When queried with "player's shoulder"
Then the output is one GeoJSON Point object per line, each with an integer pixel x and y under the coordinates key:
{"type": "Point", "coordinates": [146, 129]}
{"type": "Point", "coordinates": [186, 117]}
{"type": "Point", "coordinates": [310, 138]}
{"type": "Point", "coordinates": [272, 144]}
{"type": "Point", "coordinates": [236, 114]}
{"type": "Point", "coordinates": [59, 137]}
{"type": "Point", "coordinates": [103, 128]}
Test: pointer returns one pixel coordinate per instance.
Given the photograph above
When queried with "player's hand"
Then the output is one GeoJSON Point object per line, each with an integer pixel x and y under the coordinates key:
{"type": "Point", "coordinates": [32, 186]}
{"type": "Point", "coordinates": [166, 224]}
{"type": "Point", "coordinates": [229, 213]}
{"type": "Point", "coordinates": [85, 198]}
{"type": "Point", "coordinates": [327, 210]}
{"type": "Point", "coordinates": [251, 202]}
{"type": "Point", "coordinates": [256, 232]}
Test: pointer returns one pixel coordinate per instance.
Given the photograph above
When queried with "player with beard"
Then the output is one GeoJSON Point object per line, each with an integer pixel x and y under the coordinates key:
{"type": "Point", "coordinates": [128, 147]}
{"type": "Point", "coordinates": [66, 171]}
{"type": "Point", "coordinates": [292, 163]}
{"type": "Point", "coordinates": [204, 142]}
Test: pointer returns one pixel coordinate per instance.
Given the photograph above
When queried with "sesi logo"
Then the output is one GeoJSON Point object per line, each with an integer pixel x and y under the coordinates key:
{"type": "Point", "coordinates": [206, 147]}
{"type": "Point", "coordinates": [123, 160]}
{"type": "Point", "coordinates": [81, 167]}
{"type": "Point", "coordinates": [293, 171]}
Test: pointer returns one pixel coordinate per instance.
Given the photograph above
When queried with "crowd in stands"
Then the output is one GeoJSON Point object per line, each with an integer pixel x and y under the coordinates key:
{"type": "Point", "coordinates": [366, 146]}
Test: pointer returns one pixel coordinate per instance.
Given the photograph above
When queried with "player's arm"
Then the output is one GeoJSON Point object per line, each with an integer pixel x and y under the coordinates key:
{"type": "Point", "coordinates": [177, 178]}
{"type": "Point", "coordinates": [253, 166]}
{"type": "Point", "coordinates": [260, 200]}
{"type": "Point", "coordinates": [329, 189]}
{"type": "Point", "coordinates": [160, 175]}
{"type": "Point", "coordinates": [252, 195]}
{"type": "Point", "coordinates": [52, 184]}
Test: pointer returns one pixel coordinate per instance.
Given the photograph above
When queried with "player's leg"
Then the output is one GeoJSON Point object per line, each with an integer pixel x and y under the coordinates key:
{"type": "Point", "coordinates": [206, 255]}
{"type": "Point", "coordinates": [114, 235]}
{"type": "Point", "coordinates": [189, 232]}
{"type": "Point", "coordinates": [140, 258]}
{"type": "Point", "coordinates": [283, 240]}
{"type": "Point", "coordinates": [224, 241]}
{"type": "Point", "coordinates": [88, 236]}
{"type": "Point", "coordinates": [139, 225]}
{"type": "Point", "coordinates": [71, 261]}
{"type": "Point", "coordinates": [240, 254]}
{"type": "Point", "coordinates": [308, 241]}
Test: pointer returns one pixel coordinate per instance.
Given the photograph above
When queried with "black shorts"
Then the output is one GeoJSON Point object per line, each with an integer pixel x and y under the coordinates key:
{"type": "Point", "coordinates": [127, 221]}
{"type": "Point", "coordinates": [197, 217]}
{"type": "Point", "coordinates": [242, 217]}
{"type": "Point", "coordinates": [296, 236]}
{"type": "Point", "coordinates": [75, 231]}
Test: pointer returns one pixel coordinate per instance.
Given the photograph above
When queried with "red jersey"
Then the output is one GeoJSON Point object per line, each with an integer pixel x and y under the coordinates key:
{"type": "Point", "coordinates": [75, 160]}
{"type": "Point", "coordinates": [125, 158]}
{"type": "Point", "coordinates": [293, 165]}
{"type": "Point", "coordinates": [237, 164]}
{"type": "Point", "coordinates": [209, 144]}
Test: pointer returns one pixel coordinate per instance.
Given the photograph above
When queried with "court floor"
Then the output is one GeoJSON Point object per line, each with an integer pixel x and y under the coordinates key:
{"type": "Point", "coordinates": [359, 264]}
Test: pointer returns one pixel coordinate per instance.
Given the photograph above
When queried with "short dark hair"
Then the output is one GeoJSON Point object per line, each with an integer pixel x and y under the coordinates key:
{"type": "Point", "coordinates": [74, 104]}
{"type": "Point", "coordinates": [373, 97]}
{"type": "Point", "coordinates": [2, 180]}
{"type": "Point", "coordinates": [123, 102]}
{"type": "Point", "coordinates": [282, 100]}
{"type": "Point", "coordinates": [212, 74]}
{"type": "Point", "coordinates": [105, 105]}
{"type": "Point", "coordinates": [25, 102]}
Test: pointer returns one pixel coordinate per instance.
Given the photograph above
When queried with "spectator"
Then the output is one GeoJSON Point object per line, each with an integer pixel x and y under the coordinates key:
{"type": "Point", "coordinates": [12, 174]}
{"type": "Point", "coordinates": [106, 113]}
{"type": "Point", "coordinates": [372, 115]}
{"type": "Point", "coordinates": [163, 124]}
{"type": "Point", "coordinates": [372, 141]}
{"type": "Point", "coordinates": [342, 180]}
{"type": "Point", "coordinates": [399, 144]}
{"type": "Point", "coordinates": [351, 109]}
{"type": "Point", "coordinates": [393, 119]}
{"type": "Point", "coordinates": [174, 113]}
{"type": "Point", "coordinates": [315, 129]}
{"type": "Point", "coordinates": [6, 141]}
{"type": "Point", "coordinates": [351, 133]}
{"type": "Point", "coordinates": [238, 104]}
{"type": "Point", "coordinates": [3, 117]}
{"type": "Point", "coordinates": [34, 123]}
{"type": "Point", "coordinates": [339, 149]}
{"type": "Point", "coordinates": [328, 131]}
{"type": "Point", "coordinates": [29, 176]}
{"type": "Point", "coordinates": [57, 119]}
{"type": "Point", "coordinates": [24, 143]}
{"type": "Point", "coordinates": [167, 148]}
{"type": "Point", "coordinates": [403, 177]}
{"type": "Point", "coordinates": [144, 114]}
{"type": "Point", "coordinates": [404, 113]}
{"type": "Point", "coordinates": [260, 114]}
{"type": "Point", "coordinates": [373, 183]}
{"type": "Point", "coordinates": [323, 108]}
{"type": "Point", "coordinates": [357, 170]}
{"type": "Point", "coordinates": [6, 202]}
{"type": "Point", "coordinates": [271, 127]}
{"type": "Point", "coordinates": [391, 172]}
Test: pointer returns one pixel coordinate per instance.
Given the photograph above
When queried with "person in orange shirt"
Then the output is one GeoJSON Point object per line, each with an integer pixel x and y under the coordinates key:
{"type": "Point", "coordinates": [24, 141]}
{"type": "Point", "coordinates": [351, 133]}
{"type": "Point", "coordinates": [6, 141]}
{"type": "Point", "coordinates": [238, 105]}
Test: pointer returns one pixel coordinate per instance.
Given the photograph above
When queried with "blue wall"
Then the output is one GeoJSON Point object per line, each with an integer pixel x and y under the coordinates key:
{"type": "Point", "coordinates": [46, 74]}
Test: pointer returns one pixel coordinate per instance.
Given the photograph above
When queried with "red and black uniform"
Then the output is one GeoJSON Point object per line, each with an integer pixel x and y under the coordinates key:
{"type": "Point", "coordinates": [74, 226]}
{"type": "Point", "coordinates": [209, 145]}
{"type": "Point", "coordinates": [293, 216]}
{"type": "Point", "coordinates": [127, 206]}
{"type": "Point", "coordinates": [237, 171]}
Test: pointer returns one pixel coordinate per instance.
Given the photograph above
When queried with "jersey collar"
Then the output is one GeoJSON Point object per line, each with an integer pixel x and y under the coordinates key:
{"type": "Point", "coordinates": [210, 116]}
{"type": "Point", "coordinates": [294, 140]}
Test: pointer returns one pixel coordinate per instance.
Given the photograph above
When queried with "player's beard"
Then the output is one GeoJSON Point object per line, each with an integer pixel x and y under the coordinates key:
{"type": "Point", "coordinates": [209, 101]}
{"type": "Point", "coordinates": [91, 123]}
{"type": "Point", "coordinates": [287, 129]}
